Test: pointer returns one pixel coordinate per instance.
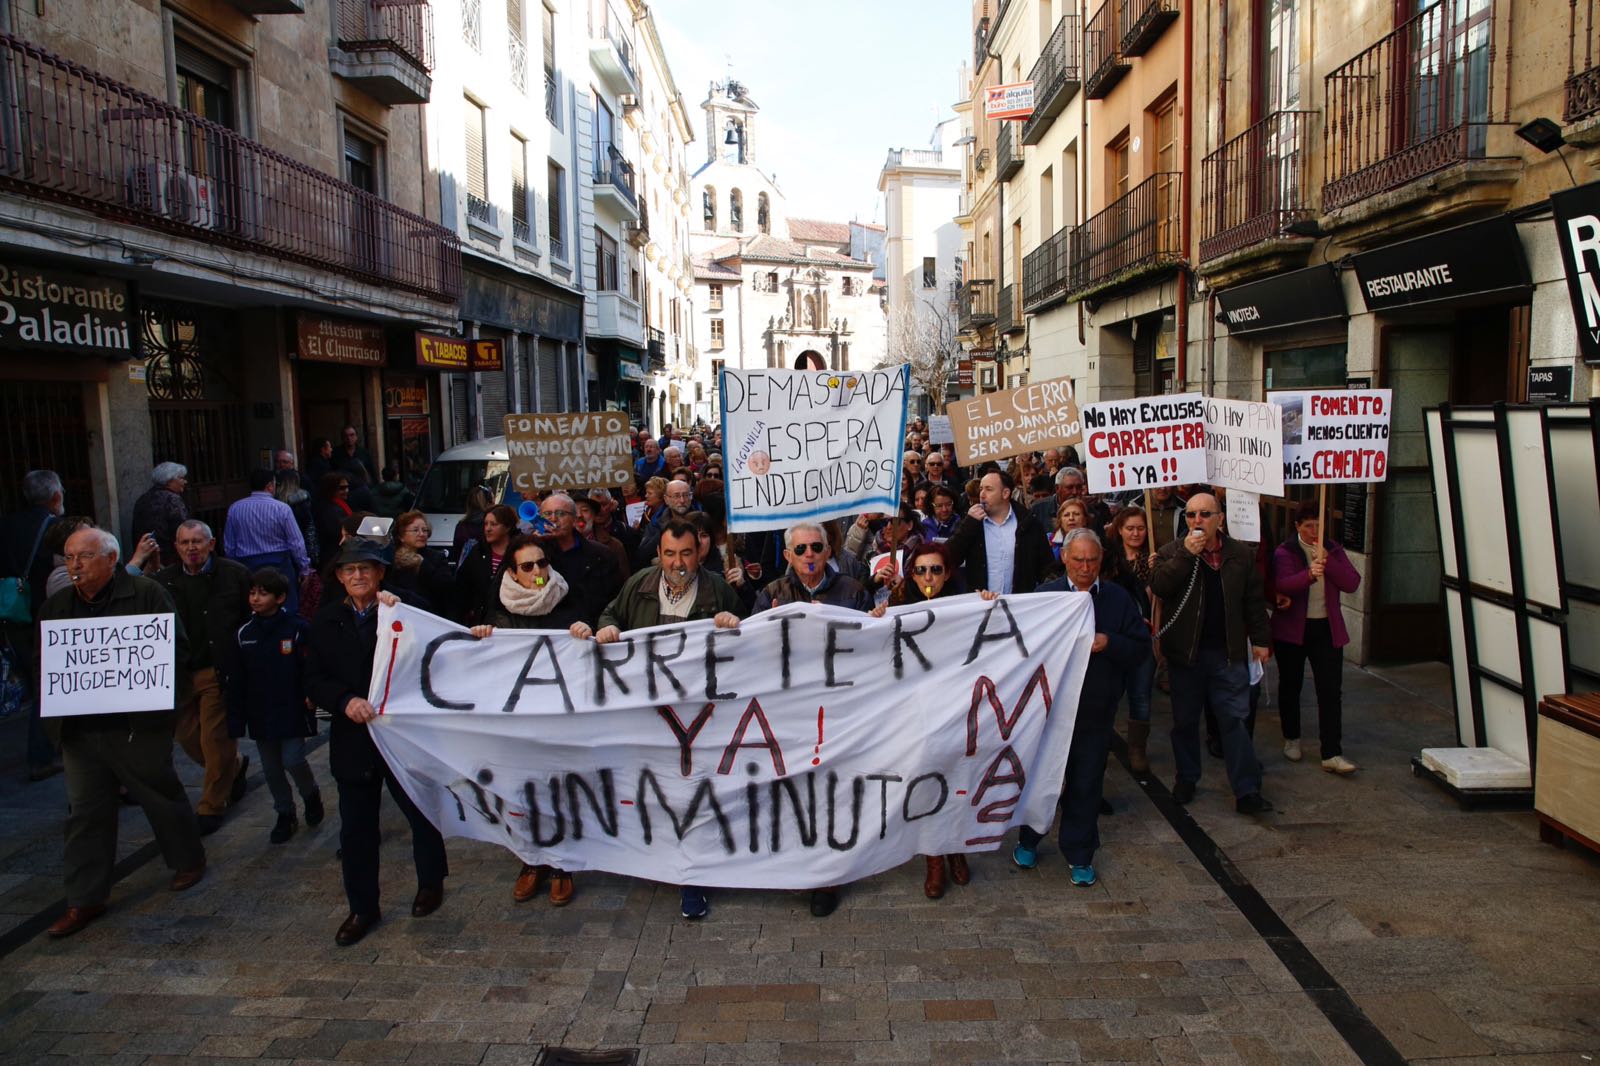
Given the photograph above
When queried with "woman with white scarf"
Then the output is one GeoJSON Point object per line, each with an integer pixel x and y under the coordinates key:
{"type": "Point", "coordinates": [532, 595]}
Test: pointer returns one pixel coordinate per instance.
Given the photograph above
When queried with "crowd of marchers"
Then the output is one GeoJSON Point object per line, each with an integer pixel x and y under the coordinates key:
{"type": "Point", "coordinates": [277, 629]}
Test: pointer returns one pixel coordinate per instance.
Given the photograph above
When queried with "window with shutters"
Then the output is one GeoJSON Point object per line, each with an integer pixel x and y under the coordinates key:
{"type": "Point", "coordinates": [605, 261]}
{"type": "Point", "coordinates": [556, 197]}
{"type": "Point", "coordinates": [716, 333]}
{"type": "Point", "coordinates": [210, 85]}
{"type": "Point", "coordinates": [521, 226]}
{"type": "Point", "coordinates": [479, 209]}
{"type": "Point", "coordinates": [516, 45]}
{"type": "Point", "coordinates": [714, 296]}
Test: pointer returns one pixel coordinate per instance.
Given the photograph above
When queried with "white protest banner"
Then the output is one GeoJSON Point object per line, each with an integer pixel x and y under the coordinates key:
{"type": "Point", "coordinates": [1243, 515]}
{"type": "Point", "coordinates": [1334, 436]}
{"type": "Point", "coordinates": [107, 665]}
{"type": "Point", "coordinates": [569, 451]}
{"type": "Point", "coordinates": [998, 425]}
{"type": "Point", "coordinates": [939, 431]}
{"type": "Point", "coordinates": [1244, 446]}
{"type": "Point", "coordinates": [810, 746]}
{"type": "Point", "coordinates": [1145, 443]}
{"type": "Point", "coordinates": [811, 444]}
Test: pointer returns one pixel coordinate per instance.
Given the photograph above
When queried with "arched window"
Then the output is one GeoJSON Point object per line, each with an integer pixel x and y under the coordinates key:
{"type": "Point", "coordinates": [736, 211]}
{"type": "Point", "coordinates": [709, 205]}
{"type": "Point", "coordinates": [763, 214]}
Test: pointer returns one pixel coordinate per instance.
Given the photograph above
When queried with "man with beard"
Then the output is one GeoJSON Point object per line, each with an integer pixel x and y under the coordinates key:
{"type": "Point", "coordinates": [677, 589]}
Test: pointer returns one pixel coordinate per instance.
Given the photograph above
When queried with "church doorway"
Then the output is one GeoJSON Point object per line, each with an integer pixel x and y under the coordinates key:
{"type": "Point", "coordinates": [810, 359]}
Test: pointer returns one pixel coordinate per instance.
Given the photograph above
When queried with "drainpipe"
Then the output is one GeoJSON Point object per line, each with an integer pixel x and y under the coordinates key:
{"type": "Point", "coordinates": [1082, 204]}
{"type": "Point", "coordinates": [1181, 366]}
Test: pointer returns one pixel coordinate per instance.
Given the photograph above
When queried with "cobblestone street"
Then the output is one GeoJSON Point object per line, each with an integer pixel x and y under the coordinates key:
{"type": "Point", "coordinates": [1457, 935]}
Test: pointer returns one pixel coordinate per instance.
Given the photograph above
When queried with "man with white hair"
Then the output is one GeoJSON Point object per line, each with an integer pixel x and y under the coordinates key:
{"type": "Point", "coordinates": [103, 751]}
{"type": "Point", "coordinates": [671, 460]}
{"type": "Point", "coordinates": [161, 510]}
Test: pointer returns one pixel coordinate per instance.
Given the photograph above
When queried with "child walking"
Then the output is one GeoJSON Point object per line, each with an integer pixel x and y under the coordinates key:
{"type": "Point", "coordinates": [267, 699]}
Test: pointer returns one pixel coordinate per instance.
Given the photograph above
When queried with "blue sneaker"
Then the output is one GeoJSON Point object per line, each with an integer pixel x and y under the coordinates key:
{"type": "Point", "coordinates": [695, 905]}
{"type": "Point", "coordinates": [1083, 876]}
{"type": "Point", "coordinates": [1024, 856]}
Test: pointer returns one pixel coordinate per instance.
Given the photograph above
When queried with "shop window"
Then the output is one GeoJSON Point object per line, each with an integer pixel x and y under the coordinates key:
{"type": "Point", "coordinates": [1322, 366]}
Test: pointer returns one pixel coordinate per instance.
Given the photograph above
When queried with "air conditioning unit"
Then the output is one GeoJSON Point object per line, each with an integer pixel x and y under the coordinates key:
{"type": "Point", "coordinates": [174, 193]}
{"type": "Point", "coordinates": [629, 101]}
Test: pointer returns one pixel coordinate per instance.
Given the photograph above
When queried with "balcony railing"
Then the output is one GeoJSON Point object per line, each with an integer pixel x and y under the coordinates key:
{"type": "Point", "coordinates": [1583, 83]}
{"type": "Point", "coordinates": [613, 170]}
{"type": "Point", "coordinates": [656, 349]}
{"type": "Point", "coordinates": [914, 157]}
{"type": "Point", "coordinates": [1136, 233]}
{"type": "Point", "coordinates": [1255, 185]}
{"type": "Point", "coordinates": [521, 231]}
{"type": "Point", "coordinates": [975, 304]}
{"type": "Point", "coordinates": [72, 135]}
{"type": "Point", "coordinates": [1007, 152]}
{"type": "Point", "coordinates": [1103, 63]}
{"type": "Point", "coordinates": [551, 109]}
{"type": "Point", "coordinates": [980, 43]}
{"type": "Point", "coordinates": [482, 212]}
{"type": "Point", "coordinates": [1416, 102]}
{"type": "Point", "coordinates": [637, 230]}
{"type": "Point", "coordinates": [1143, 21]}
{"type": "Point", "coordinates": [1056, 76]}
{"type": "Point", "coordinates": [404, 27]}
{"type": "Point", "coordinates": [517, 58]}
{"type": "Point", "coordinates": [1047, 275]}
{"type": "Point", "coordinates": [1006, 318]}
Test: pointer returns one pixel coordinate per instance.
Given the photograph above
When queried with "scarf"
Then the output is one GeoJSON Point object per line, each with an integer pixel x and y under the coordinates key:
{"type": "Point", "coordinates": [531, 603]}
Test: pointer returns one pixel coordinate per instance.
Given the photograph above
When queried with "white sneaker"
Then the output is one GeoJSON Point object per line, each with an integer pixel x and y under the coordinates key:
{"type": "Point", "coordinates": [1339, 765]}
{"type": "Point", "coordinates": [1291, 750]}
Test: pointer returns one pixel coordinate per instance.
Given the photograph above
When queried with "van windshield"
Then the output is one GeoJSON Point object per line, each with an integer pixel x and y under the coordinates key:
{"type": "Point", "coordinates": [444, 488]}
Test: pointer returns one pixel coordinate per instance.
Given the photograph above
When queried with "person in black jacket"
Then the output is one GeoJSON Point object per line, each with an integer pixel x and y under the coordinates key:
{"type": "Point", "coordinates": [1004, 548]}
{"type": "Point", "coordinates": [589, 570]}
{"type": "Point", "coordinates": [478, 577]}
{"type": "Point", "coordinates": [267, 698]}
{"type": "Point", "coordinates": [1121, 642]}
{"type": "Point", "coordinates": [344, 639]}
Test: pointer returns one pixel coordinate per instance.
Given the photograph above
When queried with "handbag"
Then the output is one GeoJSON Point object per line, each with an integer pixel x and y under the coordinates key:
{"type": "Point", "coordinates": [16, 603]}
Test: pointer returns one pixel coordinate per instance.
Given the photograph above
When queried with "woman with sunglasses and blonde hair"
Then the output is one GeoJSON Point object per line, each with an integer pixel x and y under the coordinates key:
{"type": "Point", "coordinates": [533, 595]}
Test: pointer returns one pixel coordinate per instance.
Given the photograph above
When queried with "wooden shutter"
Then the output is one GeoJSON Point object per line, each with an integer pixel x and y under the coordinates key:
{"type": "Point", "coordinates": [519, 180]}
{"type": "Point", "coordinates": [477, 174]}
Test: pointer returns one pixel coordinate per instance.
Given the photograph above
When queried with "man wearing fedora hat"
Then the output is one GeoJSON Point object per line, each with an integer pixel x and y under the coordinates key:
{"type": "Point", "coordinates": [344, 639]}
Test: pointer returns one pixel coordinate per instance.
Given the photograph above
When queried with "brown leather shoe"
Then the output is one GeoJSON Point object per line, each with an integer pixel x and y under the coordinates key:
{"type": "Point", "coordinates": [560, 889]}
{"type": "Point", "coordinates": [75, 918]}
{"type": "Point", "coordinates": [184, 879]}
{"type": "Point", "coordinates": [427, 901]}
{"type": "Point", "coordinates": [528, 882]}
{"type": "Point", "coordinates": [355, 927]}
{"type": "Point", "coordinates": [958, 869]}
{"type": "Point", "coordinates": [933, 884]}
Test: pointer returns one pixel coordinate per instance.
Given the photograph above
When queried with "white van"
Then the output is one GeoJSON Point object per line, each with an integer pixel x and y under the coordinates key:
{"type": "Point", "coordinates": [442, 496]}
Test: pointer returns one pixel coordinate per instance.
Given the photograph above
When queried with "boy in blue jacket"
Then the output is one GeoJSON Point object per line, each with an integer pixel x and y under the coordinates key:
{"type": "Point", "coordinates": [267, 699]}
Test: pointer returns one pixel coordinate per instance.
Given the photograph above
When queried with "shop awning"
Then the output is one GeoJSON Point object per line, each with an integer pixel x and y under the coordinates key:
{"type": "Point", "coordinates": [1478, 259]}
{"type": "Point", "coordinates": [1293, 298]}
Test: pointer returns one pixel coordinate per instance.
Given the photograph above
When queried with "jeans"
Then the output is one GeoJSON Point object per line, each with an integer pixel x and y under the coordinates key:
{"type": "Point", "coordinates": [1327, 670]}
{"type": "Point", "coordinates": [288, 754]}
{"type": "Point", "coordinates": [1082, 788]}
{"type": "Point", "coordinates": [1141, 682]}
{"type": "Point", "coordinates": [1212, 679]}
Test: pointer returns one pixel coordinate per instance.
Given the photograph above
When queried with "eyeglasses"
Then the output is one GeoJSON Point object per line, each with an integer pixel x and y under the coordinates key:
{"type": "Point", "coordinates": [1202, 515]}
{"type": "Point", "coordinates": [935, 570]}
{"type": "Point", "coordinates": [551, 516]}
{"type": "Point", "coordinates": [424, 530]}
{"type": "Point", "coordinates": [815, 547]}
{"type": "Point", "coordinates": [533, 564]}
{"type": "Point", "coordinates": [83, 556]}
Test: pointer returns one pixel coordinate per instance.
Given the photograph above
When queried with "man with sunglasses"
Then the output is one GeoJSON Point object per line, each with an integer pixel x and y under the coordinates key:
{"type": "Point", "coordinates": [1216, 610]}
{"type": "Point", "coordinates": [589, 569]}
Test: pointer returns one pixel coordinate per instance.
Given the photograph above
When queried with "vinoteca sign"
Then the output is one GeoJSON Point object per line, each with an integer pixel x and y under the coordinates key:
{"type": "Point", "coordinates": [810, 746]}
{"type": "Point", "coordinates": [63, 311]}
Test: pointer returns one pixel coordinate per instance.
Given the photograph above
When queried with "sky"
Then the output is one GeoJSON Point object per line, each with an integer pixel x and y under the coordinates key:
{"type": "Point", "coordinates": [838, 83]}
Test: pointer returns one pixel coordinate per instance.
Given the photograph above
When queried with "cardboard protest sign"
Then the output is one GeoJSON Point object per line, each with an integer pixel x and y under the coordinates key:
{"type": "Point", "coordinates": [998, 425]}
{"type": "Point", "coordinates": [569, 451]}
{"type": "Point", "coordinates": [810, 746]}
{"type": "Point", "coordinates": [1145, 443]}
{"type": "Point", "coordinates": [811, 444]}
{"type": "Point", "coordinates": [1244, 446]}
{"type": "Point", "coordinates": [1334, 436]}
{"type": "Point", "coordinates": [107, 665]}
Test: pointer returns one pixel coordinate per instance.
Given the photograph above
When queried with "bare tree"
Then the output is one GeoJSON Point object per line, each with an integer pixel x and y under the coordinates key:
{"type": "Point", "coordinates": [923, 335]}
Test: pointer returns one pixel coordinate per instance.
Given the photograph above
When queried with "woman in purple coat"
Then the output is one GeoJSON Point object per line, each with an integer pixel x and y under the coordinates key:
{"type": "Point", "coordinates": [1312, 573]}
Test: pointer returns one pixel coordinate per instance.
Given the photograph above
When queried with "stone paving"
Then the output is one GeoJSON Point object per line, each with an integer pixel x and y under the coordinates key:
{"type": "Point", "coordinates": [1458, 934]}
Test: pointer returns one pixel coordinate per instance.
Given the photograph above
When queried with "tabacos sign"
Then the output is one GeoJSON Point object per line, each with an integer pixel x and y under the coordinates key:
{"type": "Point", "coordinates": [62, 311]}
{"type": "Point", "coordinates": [1577, 214]}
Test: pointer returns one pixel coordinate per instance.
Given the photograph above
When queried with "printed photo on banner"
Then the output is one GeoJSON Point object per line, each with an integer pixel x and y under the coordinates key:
{"type": "Point", "coordinates": [812, 444]}
{"type": "Point", "coordinates": [1145, 443]}
{"type": "Point", "coordinates": [1244, 447]}
{"type": "Point", "coordinates": [1333, 436]}
{"type": "Point", "coordinates": [999, 425]}
{"type": "Point", "coordinates": [569, 451]}
{"type": "Point", "coordinates": [810, 746]}
{"type": "Point", "coordinates": [107, 665]}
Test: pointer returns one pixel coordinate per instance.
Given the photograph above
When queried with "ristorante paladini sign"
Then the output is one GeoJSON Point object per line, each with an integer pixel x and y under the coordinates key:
{"type": "Point", "coordinates": [58, 310]}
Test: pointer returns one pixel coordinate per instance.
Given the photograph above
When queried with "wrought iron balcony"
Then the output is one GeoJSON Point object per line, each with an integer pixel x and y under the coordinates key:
{"type": "Point", "coordinates": [1137, 233]}
{"type": "Point", "coordinates": [552, 110]}
{"type": "Point", "coordinates": [1056, 77]}
{"type": "Point", "coordinates": [75, 136]}
{"type": "Point", "coordinates": [1254, 186]}
{"type": "Point", "coordinates": [517, 60]}
{"type": "Point", "coordinates": [1143, 21]}
{"type": "Point", "coordinates": [975, 305]}
{"type": "Point", "coordinates": [1583, 83]}
{"type": "Point", "coordinates": [1007, 317]}
{"type": "Point", "coordinates": [1103, 62]}
{"type": "Point", "coordinates": [656, 349]}
{"type": "Point", "coordinates": [613, 175]}
{"type": "Point", "coordinates": [1047, 275]}
{"type": "Point", "coordinates": [482, 212]}
{"type": "Point", "coordinates": [980, 43]}
{"type": "Point", "coordinates": [611, 54]}
{"type": "Point", "coordinates": [1007, 153]}
{"type": "Point", "coordinates": [1416, 102]}
{"type": "Point", "coordinates": [386, 48]}
{"type": "Point", "coordinates": [981, 162]}
{"type": "Point", "coordinates": [638, 230]}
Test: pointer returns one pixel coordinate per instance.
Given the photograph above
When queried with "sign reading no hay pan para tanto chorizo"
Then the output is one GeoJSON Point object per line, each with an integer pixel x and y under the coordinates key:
{"type": "Point", "coordinates": [1244, 446]}
{"type": "Point", "coordinates": [569, 451]}
{"type": "Point", "coordinates": [1145, 443]}
{"type": "Point", "coordinates": [1335, 435]}
{"type": "Point", "coordinates": [998, 425]}
{"type": "Point", "coordinates": [112, 665]}
{"type": "Point", "coordinates": [811, 444]}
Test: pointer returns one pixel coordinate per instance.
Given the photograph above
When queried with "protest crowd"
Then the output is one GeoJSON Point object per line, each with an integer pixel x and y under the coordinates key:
{"type": "Point", "coordinates": [277, 628]}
